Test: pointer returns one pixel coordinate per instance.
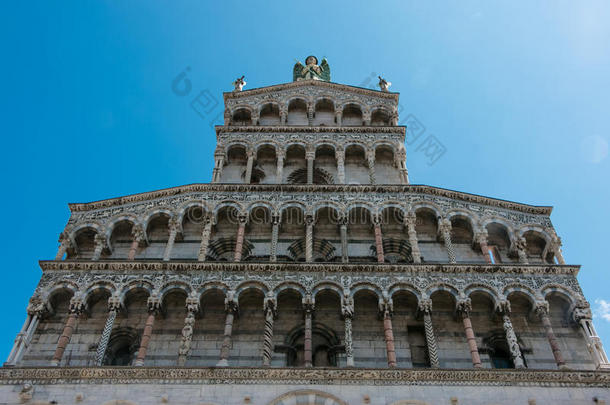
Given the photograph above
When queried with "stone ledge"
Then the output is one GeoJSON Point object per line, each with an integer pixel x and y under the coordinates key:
{"type": "Point", "coordinates": [311, 188]}
{"type": "Point", "coordinates": [212, 375]}
{"type": "Point", "coordinates": [192, 265]}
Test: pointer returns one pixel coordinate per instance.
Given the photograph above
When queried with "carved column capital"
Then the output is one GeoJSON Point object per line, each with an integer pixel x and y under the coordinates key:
{"type": "Point", "coordinates": [231, 303]}
{"type": "Point", "coordinates": [270, 304]}
{"type": "Point", "coordinates": [77, 304]}
{"type": "Point", "coordinates": [309, 303]}
{"type": "Point", "coordinates": [425, 305]}
{"type": "Point", "coordinates": [347, 307]}
{"type": "Point", "coordinates": [114, 303]}
{"type": "Point", "coordinates": [192, 304]}
{"type": "Point", "coordinates": [541, 308]}
{"type": "Point", "coordinates": [463, 306]}
{"type": "Point", "coordinates": [137, 231]}
{"type": "Point", "coordinates": [503, 307]}
{"type": "Point", "coordinates": [386, 306]}
{"type": "Point", "coordinates": [582, 311]}
{"type": "Point", "coordinates": [36, 306]}
{"type": "Point", "coordinates": [154, 303]}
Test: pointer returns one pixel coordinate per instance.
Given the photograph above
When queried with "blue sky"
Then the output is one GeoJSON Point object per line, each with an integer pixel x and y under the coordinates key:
{"type": "Point", "coordinates": [517, 93]}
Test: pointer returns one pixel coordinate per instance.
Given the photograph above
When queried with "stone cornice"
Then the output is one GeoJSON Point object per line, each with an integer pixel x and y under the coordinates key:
{"type": "Point", "coordinates": [305, 188]}
{"type": "Point", "coordinates": [311, 376]}
{"type": "Point", "coordinates": [311, 83]}
{"type": "Point", "coordinates": [306, 129]}
{"type": "Point", "coordinates": [264, 267]}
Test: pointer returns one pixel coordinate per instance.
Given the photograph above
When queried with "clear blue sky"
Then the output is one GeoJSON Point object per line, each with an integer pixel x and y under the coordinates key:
{"type": "Point", "coordinates": [517, 92]}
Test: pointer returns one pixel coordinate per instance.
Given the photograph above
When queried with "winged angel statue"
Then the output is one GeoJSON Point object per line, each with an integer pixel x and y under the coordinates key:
{"type": "Point", "coordinates": [311, 70]}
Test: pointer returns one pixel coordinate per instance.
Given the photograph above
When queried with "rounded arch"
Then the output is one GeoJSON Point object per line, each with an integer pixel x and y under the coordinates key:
{"type": "Point", "coordinates": [483, 289]}
{"type": "Point", "coordinates": [264, 103]}
{"type": "Point", "coordinates": [556, 289]}
{"type": "Point", "coordinates": [406, 287]}
{"type": "Point", "coordinates": [423, 205]}
{"type": "Point", "coordinates": [500, 221]}
{"type": "Point", "coordinates": [328, 286]}
{"type": "Point", "coordinates": [135, 285]}
{"type": "Point", "coordinates": [292, 204]}
{"type": "Point", "coordinates": [520, 289]}
{"type": "Point", "coordinates": [472, 218]}
{"type": "Point", "coordinates": [184, 208]}
{"type": "Point", "coordinates": [150, 215]}
{"type": "Point", "coordinates": [228, 203]}
{"type": "Point", "coordinates": [174, 286]}
{"type": "Point", "coordinates": [410, 402]}
{"type": "Point", "coordinates": [327, 204]}
{"type": "Point", "coordinates": [307, 396]}
{"type": "Point", "coordinates": [120, 402]}
{"type": "Point", "coordinates": [259, 204]}
{"type": "Point", "coordinates": [64, 286]}
{"type": "Point", "coordinates": [251, 285]}
{"type": "Point", "coordinates": [114, 221]}
{"type": "Point", "coordinates": [94, 226]}
{"type": "Point", "coordinates": [237, 144]}
{"type": "Point", "coordinates": [537, 229]}
{"type": "Point", "coordinates": [212, 286]}
{"type": "Point", "coordinates": [97, 286]}
{"type": "Point", "coordinates": [290, 285]}
{"type": "Point", "coordinates": [438, 287]}
{"type": "Point", "coordinates": [267, 143]}
{"type": "Point", "coordinates": [363, 286]}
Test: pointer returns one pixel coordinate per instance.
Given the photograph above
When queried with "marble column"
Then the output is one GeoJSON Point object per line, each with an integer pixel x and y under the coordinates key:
{"type": "Point", "coordinates": [378, 239]}
{"type": "Point", "coordinates": [425, 307]}
{"type": "Point", "coordinates": [174, 228]}
{"type": "Point", "coordinates": [249, 164]}
{"type": "Point", "coordinates": [584, 318]}
{"type": "Point", "coordinates": [370, 157]}
{"type": "Point", "coordinates": [64, 244]}
{"type": "Point", "coordinates": [310, 114]}
{"type": "Point", "coordinates": [230, 309]}
{"type": "Point", "coordinates": [308, 308]}
{"type": "Point", "coordinates": [154, 305]}
{"type": "Point", "coordinates": [114, 304]}
{"type": "Point", "coordinates": [138, 235]}
{"type": "Point", "coordinates": [401, 157]}
{"type": "Point", "coordinates": [520, 245]}
{"type": "Point", "coordinates": [77, 306]}
{"type": "Point", "coordinates": [344, 247]}
{"type": "Point", "coordinates": [338, 116]}
{"type": "Point", "coordinates": [481, 238]}
{"type": "Point", "coordinates": [219, 161]}
{"type": "Point", "coordinates": [556, 249]}
{"type": "Point", "coordinates": [386, 308]}
{"type": "Point", "coordinates": [192, 307]}
{"type": "Point", "coordinates": [283, 115]}
{"type": "Point", "coordinates": [445, 230]}
{"type": "Point", "coordinates": [270, 308]}
{"type": "Point", "coordinates": [34, 311]}
{"type": "Point", "coordinates": [205, 238]}
{"type": "Point", "coordinates": [279, 171]}
{"type": "Point", "coordinates": [309, 220]}
{"type": "Point", "coordinates": [463, 307]}
{"type": "Point", "coordinates": [275, 231]}
{"type": "Point", "coordinates": [347, 311]}
{"type": "Point", "coordinates": [542, 310]}
{"type": "Point", "coordinates": [340, 156]}
{"type": "Point", "coordinates": [511, 338]}
{"type": "Point", "coordinates": [310, 156]}
{"type": "Point", "coordinates": [410, 221]}
{"type": "Point", "coordinates": [100, 245]}
{"type": "Point", "coordinates": [239, 242]}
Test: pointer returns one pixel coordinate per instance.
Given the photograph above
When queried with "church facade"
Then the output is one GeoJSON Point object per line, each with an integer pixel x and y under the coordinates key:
{"type": "Point", "coordinates": [309, 271]}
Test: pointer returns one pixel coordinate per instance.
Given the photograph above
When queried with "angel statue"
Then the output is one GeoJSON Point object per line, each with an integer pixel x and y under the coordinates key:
{"type": "Point", "coordinates": [311, 70]}
{"type": "Point", "coordinates": [239, 83]}
{"type": "Point", "coordinates": [384, 85]}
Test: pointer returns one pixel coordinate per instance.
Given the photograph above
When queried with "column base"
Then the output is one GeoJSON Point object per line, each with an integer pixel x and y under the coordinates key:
{"type": "Point", "coordinates": [138, 363]}
{"type": "Point", "coordinates": [604, 366]}
{"type": "Point", "coordinates": [223, 363]}
{"type": "Point", "coordinates": [54, 363]}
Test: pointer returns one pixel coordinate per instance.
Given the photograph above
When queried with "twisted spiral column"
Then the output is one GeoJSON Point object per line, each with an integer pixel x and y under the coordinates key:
{"type": "Point", "coordinates": [270, 307]}
{"type": "Point", "coordinates": [205, 239]}
{"type": "Point", "coordinates": [114, 304]}
{"type": "Point", "coordinates": [230, 309]}
{"type": "Point", "coordinates": [445, 229]}
{"type": "Point", "coordinates": [410, 221]}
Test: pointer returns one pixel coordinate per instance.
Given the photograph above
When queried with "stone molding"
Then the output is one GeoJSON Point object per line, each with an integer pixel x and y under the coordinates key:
{"type": "Point", "coordinates": [302, 129]}
{"type": "Point", "coordinates": [258, 267]}
{"type": "Point", "coordinates": [403, 191]}
{"type": "Point", "coordinates": [311, 83]}
{"type": "Point", "coordinates": [228, 375]}
{"type": "Point", "coordinates": [159, 278]}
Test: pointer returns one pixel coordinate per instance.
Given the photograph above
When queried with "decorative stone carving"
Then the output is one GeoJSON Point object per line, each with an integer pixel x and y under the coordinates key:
{"type": "Point", "coordinates": [384, 85]}
{"type": "Point", "coordinates": [239, 83]}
